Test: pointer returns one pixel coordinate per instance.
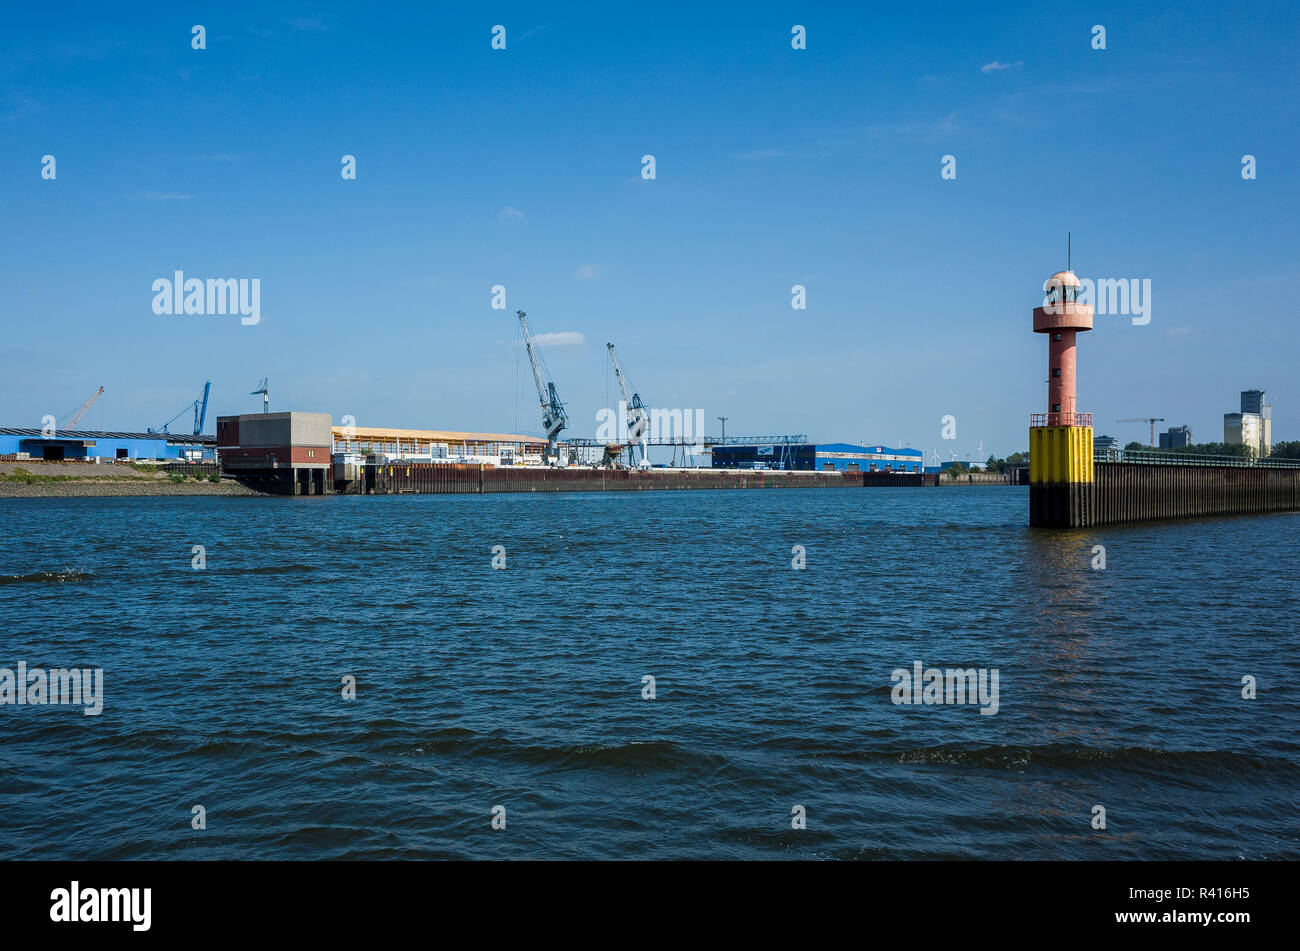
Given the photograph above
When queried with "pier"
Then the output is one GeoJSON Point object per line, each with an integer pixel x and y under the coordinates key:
{"type": "Point", "coordinates": [1143, 487]}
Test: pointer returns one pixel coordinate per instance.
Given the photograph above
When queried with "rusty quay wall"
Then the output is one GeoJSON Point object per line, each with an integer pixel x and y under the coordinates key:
{"type": "Point", "coordinates": [982, 478]}
{"type": "Point", "coordinates": [436, 478]}
{"type": "Point", "coordinates": [896, 478]}
{"type": "Point", "coordinates": [1128, 492]}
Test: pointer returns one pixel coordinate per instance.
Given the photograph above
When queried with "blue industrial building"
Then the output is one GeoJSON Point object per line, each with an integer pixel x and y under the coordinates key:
{"type": "Point", "coordinates": [84, 445]}
{"type": "Point", "coordinates": [839, 456]}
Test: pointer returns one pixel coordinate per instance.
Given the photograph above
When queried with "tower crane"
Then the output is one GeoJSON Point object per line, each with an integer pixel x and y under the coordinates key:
{"type": "Point", "coordinates": [84, 406]}
{"type": "Point", "coordinates": [265, 389]}
{"type": "Point", "coordinates": [554, 418]}
{"type": "Point", "coordinates": [1145, 419]}
{"type": "Point", "coordinates": [638, 419]}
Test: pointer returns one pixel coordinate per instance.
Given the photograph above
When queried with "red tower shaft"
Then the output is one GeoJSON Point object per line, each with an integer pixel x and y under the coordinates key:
{"type": "Point", "coordinates": [1061, 391]}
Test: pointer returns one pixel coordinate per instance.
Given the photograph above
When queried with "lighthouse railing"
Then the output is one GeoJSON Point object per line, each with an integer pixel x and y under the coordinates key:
{"type": "Point", "coordinates": [1060, 419]}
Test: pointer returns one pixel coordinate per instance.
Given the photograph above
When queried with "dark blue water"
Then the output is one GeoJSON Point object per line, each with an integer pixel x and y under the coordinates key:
{"type": "Point", "coordinates": [522, 687]}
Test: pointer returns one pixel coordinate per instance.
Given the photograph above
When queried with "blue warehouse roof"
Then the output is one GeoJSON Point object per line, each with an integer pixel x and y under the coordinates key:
{"type": "Point", "coordinates": [868, 450]}
{"type": "Point", "coordinates": [88, 434]}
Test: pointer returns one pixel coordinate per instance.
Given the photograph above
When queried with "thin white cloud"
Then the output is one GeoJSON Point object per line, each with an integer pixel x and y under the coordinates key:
{"type": "Point", "coordinates": [165, 196]}
{"type": "Point", "coordinates": [858, 140]}
{"type": "Point", "coordinates": [586, 272]}
{"type": "Point", "coordinates": [770, 153]}
{"type": "Point", "coordinates": [17, 107]}
{"type": "Point", "coordinates": [210, 157]}
{"type": "Point", "coordinates": [536, 29]}
{"type": "Point", "coordinates": [565, 338]}
{"type": "Point", "coordinates": [511, 213]}
{"type": "Point", "coordinates": [995, 66]}
{"type": "Point", "coordinates": [916, 128]}
{"type": "Point", "coordinates": [309, 25]}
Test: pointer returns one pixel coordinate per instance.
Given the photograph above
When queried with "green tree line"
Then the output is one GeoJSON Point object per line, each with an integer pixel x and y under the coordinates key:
{"type": "Point", "coordinates": [1282, 450]}
{"type": "Point", "coordinates": [999, 465]}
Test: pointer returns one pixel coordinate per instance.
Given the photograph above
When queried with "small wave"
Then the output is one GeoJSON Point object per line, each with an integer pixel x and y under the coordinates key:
{"type": "Point", "coordinates": [47, 577]}
{"type": "Point", "coordinates": [279, 569]}
{"type": "Point", "coordinates": [1061, 756]}
{"type": "Point", "coordinates": [634, 755]}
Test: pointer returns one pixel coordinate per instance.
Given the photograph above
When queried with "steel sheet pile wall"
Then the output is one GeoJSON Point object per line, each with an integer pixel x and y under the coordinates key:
{"type": "Point", "coordinates": [1129, 492]}
{"type": "Point", "coordinates": [872, 479]}
{"type": "Point", "coordinates": [422, 478]}
{"type": "Point", "coordinates": [440, 478]}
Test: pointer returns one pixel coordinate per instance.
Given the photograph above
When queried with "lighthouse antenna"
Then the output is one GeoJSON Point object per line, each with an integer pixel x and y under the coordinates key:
{"type": "Point", "coordinates": [1068, 254]}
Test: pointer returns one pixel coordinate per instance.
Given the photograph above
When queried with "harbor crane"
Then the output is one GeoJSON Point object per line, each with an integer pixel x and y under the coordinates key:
{"type": "Point", "coordinates": [200, 408]}
{"type": "Point", "coordinates": [554, 418]}
{"type": "Point", "coordinates": [1145, 419]}
{"type": "Point", "coordinates": [84, 406]}
{"type": "Point", "coordinates": [638, 417]}
{"type": "Point", "coordinates": [265, 389]}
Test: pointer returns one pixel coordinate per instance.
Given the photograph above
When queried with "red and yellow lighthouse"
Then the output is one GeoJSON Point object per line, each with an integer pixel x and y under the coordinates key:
{"type": "Point", "coordinates": [1060, 440]}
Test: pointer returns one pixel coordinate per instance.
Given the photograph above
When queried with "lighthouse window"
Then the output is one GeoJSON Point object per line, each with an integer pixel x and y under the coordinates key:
{"type": "Point", "coordinates": [1056, 372]}
{"type": "Point", "coordinates": [1056, 336]}
{"type": "Point", "coordinates": [1056, 407]}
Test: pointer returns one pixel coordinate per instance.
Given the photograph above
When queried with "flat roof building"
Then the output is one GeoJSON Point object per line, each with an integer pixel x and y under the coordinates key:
{"type": "Point", "coordinates": [280, 453]}
{"type": "Point", "coordinates": [822, 457]}
{"type": "Point", "coordinates": [93, 445]}
{"type": "Point", "coordinates": [435, 443]}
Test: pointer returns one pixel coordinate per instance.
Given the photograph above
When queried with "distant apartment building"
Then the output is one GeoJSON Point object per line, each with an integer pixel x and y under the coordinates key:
{"type": "Point", "coordinates": [1253, 425]}
{"type": "Point", "coordinates": [1176, 438]}
{"type": "Point", "coordinates": [1106, 442]}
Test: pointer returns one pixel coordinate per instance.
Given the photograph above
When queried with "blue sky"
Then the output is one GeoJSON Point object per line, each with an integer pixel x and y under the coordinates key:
{"type": "Point", "coordinates": [775, 167]}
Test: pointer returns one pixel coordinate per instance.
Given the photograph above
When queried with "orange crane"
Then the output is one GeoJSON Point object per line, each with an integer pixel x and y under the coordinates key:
{"type": "Point", "coordinates": [1145, 419]}
{"type": "Point", "coordinates": [85, 406]}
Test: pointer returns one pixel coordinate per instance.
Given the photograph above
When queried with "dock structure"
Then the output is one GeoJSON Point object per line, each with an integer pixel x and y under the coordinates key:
{"type": "Point", "coordinates": [439, 478]}
{"type": "Point", "coordinates": [305, 454]}
{"type": "Point", "coordinates": [1192, 487]}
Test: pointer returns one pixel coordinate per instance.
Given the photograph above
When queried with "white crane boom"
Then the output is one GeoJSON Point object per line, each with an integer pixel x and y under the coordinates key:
{"type": "Point", "coordinates": [534, 363]}
{"type": "Point", "coordinates": [84, 406]}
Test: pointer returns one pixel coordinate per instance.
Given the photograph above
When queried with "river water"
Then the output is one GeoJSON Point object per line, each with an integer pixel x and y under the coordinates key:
{"type": "Point", "coordinates": [522, 687]}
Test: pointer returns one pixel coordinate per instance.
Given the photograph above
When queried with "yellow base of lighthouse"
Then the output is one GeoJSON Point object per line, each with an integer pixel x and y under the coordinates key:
{"type": "Point", "coordinates": [1060, 454]}
{"type": "Point", "coordinates": [1061, 487]}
